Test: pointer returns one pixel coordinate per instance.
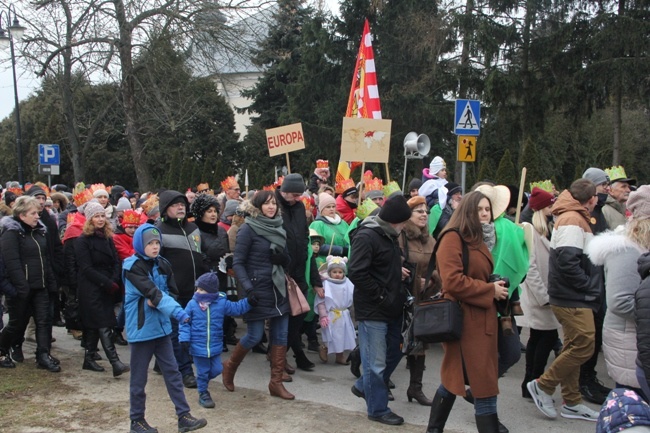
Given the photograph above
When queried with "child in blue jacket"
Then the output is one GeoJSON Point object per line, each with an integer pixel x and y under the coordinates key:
{"type": "Point", "coordinates": [149, 304]}
{"type": "Point", "coordinates": [202, 336]}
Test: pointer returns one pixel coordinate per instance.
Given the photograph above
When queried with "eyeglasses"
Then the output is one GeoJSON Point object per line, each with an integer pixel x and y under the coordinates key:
{"type": "Point", "coordinates": [421, 211]}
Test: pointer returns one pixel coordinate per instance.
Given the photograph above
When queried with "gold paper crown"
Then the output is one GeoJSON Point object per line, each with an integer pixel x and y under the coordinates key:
{"type": "Point", "coordinates": [372, 183]}
{"type": "Point", "coordinates": [130, 218]}
{"type": "Point", "coordinates": [322, 163]}
{"type": "Point", "coordinates": [43, 187]}
{"type": "Point", "coordinates": [391, 188]}
{"type": "Point", "coordinates": [344, 185]}
{"type": "Point", "coordinates": [151, 202]}
{"type": "Point", "coordinates": [367, 176]}
{"type": "Point", "coordinates": [615, 173]}
{"type": "Point", "coordinates": [78, 187]}
{"type": "Point", "coordinates": [269, 187]}
{"type": "Point", "coordinates": [97, 186]}
{"type": "Point", "coordinates": [366, 207]}
{"type": "Point", "coordinates": [278, 183]}
{"type": "Point", "coordinates": [307, 202]}
{"type": "Point", "coordinates": [82, 197]}
{"type": "Point", "coordinates": [229, 182]}
{"type": "Point", "coordinates": [546, 185]}
{"type": "Point", "coordinates": [17, 191]}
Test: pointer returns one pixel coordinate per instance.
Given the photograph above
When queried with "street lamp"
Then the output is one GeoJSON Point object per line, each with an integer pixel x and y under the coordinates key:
{"type": "Point", "coordinates": [14, 30]}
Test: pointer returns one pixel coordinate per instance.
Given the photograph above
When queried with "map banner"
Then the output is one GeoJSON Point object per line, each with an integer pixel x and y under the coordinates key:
{"type": "Point", "coordinates": [366, 140]}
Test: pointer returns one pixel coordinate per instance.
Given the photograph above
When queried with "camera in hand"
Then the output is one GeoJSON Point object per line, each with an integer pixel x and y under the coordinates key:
{"type": "Point", "coordinates": [503, 307]}
{"type": "Point", "coordinates": [493, 278]}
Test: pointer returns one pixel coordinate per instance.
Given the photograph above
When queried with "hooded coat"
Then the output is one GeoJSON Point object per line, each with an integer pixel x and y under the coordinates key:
{"type": "Point", "coordinates": [181, 247]}
{"type": "Point", "coordinates": [149, 279]}
{"type": "Point", "coordinates": [253, 268]}
{"type": "Point", "coordinates": [618, 254]}
{"type": "Point", "coordinates": [477, 347]}
{"type": "Point", "coordinates": [344, 209]}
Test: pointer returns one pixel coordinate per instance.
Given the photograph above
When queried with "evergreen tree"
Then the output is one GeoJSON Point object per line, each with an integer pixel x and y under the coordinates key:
{"type": "Point", "coordinates": [506, 173]}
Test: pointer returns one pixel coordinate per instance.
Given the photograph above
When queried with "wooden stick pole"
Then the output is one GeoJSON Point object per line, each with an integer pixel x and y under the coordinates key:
{"type": "Point", "coordinates": [522, 182]}
{"type": "Point", "coordinates": [363, 170]}
{"type": "Point", "coordinates": [288, 163]}
{"type": "Point", "coordinates": [387, 173]}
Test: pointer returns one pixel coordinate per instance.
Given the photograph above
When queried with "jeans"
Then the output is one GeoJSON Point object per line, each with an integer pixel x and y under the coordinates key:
{"type": "Point", "coordinates": [278, 332]}
{"type": "Point", "coordinates": [509, 348]}
{"type": "Point", "coordinates": [141, 354]}
{"type": "Point", "coordinates": [579, 335]}
{"type": "Point", "coordinates": [379, 344]}
{"type": "Point", "coordinates": [482, 406]}
{"type": "Point", "coordinates": [206, 370]}
{"type": "Point", "coordinates": [182, 357]}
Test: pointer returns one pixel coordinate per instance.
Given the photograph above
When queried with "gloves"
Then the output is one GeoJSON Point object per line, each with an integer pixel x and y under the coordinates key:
{"type": "Point", "coordinates": [252, 299]}
{"type": "Point", "coordinates": [185, 345]}
{"type": "Point", "coordinates": [324, 322]}
{"type": "Point", "coordinates": [229, 261]}
{"type": "Point", "coordinates": [277, 259]}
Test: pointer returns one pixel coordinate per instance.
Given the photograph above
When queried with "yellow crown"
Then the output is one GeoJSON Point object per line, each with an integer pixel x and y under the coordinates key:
{"type": "Point", "coordinates": [82, 197]}
{"type": "Point", "coordinates": [344, 185]}
{"type": "Point", "coordinates": [269, 187]}
{"type": "Point", "coordinates": [616, 173]}
{"type": "Point", "coordinates": [78, 187]}
{"type": "Point", "coordinates": [17, 191]}
{"type": "Point", "coordinates": [307, 201]}
{"type": "Point", "coordinates": [322, 163]}
{"type": "Point", "coordinates": [373, 184]}
{"type": "Point", "coordinates": [391, 188]}
{"type": "Point", "coordinates": [130, 218]}
{"type": "Point", "coordinates": [546, 185]}
{"type": "Point", "coordinates": [97, 186]}
{"type": "Point", "coordinates": [366, 207]}
{"type": "Point", "coordinates": [229, 182]}
{"type": "Point", "coordinates": [151, 202]}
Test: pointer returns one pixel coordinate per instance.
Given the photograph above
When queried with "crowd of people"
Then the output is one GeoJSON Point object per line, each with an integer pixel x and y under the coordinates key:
{"type": "Point", "coordinates": [167, 273]}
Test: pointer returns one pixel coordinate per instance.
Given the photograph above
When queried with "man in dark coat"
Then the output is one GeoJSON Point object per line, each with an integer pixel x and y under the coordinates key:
{"type": "Point", "coordinates": [294, 222]}
{"type": "Point", "coordinates": [181, 246]}
{"type": "Point", "coordinates": [376, 271]}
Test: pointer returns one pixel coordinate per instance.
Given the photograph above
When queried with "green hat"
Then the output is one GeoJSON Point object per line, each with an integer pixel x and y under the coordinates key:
{"type": "Point", "coordinates": [366, 208]}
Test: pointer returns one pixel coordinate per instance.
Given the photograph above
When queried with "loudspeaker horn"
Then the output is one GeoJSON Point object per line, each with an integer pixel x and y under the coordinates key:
{"type": "Point", "coordinates": [416, 145]}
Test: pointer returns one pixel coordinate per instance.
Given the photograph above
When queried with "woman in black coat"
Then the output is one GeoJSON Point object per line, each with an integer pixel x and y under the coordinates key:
{"type": "Point", "coordinates": [260, 257]}
{"type": "Point", "coordinates": [97, 286]}
{"type": "Point", "coordinates": [24, 251]}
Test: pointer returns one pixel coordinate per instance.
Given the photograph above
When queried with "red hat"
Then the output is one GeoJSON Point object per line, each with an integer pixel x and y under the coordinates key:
{"type": "Point", "coordinates": [540, 199]}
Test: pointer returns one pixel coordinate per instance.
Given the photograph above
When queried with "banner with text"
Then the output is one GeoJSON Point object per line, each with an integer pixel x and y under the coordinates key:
{"type": "Point", "coordinates": [285, 139]}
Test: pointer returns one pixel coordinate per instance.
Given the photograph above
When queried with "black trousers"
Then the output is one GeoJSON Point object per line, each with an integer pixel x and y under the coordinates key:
{"type": "Point", "coordinates": [37, 303]}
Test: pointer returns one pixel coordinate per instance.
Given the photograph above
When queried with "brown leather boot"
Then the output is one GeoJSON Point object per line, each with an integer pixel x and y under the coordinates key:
{"type": "Point", "coordinates": [231, 365]}
{"type": "Point", "coordinates": [414, 390]}
{"type": "Point", "coordinates": [276, 388]}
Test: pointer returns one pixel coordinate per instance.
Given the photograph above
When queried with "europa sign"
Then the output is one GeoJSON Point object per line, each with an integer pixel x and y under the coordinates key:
{"type": "Point", "coordinates": [285, 139]}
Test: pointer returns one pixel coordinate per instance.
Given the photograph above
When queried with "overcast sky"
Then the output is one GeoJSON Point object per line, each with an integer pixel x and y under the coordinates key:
{"type": "Point", "coordinates": [27, 81]}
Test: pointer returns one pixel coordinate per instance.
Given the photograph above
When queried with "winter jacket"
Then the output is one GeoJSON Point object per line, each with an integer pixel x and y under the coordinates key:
{"type": "Point", "coordinates": [71, 269]}
{"type": "Point", "coordinates": [26, 258]}
{"type": "Point", "coordinates": [642, 316]}
{"type": "Point", "coordinates": [598, 222]}
{"type": "Point", "coordinates": [253, 268]}
{"type": "Point", "coordinates": [294, 222]}
{"type": "Point", "coordinates": [375, 269]}
{"type": "Point", "coordinates": [214, 245]}
{"type": "Point", "coordinates": [618, 254]}
{"type": "Point", "coordinates": [6, 288]}
{"type": "Point", "coordinates": [477, 347]}
{"type": "Point", "coordinates": [54, 245]}
{"type": "Point", "coordinates": [123, 244]}
{"type": "Point", "coordinates": [417, 246]}
{"type": "Point", "coordinates": [624, 410]}
{"type": "Point", "coordinates": [344, 209]}
{"type": "Point", "coordinates": [334, 235]}
{"type": "Point", "coordinates": [98, 268]}
{"type": "Point", "coordinates": [204, 331]}
{"type": "Point", "coordinates": [146, 279]}
{"type": "Point", "coordinates": [534, 290]}
{"type": "Point", "coordinates": [573, 280]}
{"type": "Point", "coordinates": [614, 212]}
{"type": "Point", "coordinates": [181, 246]}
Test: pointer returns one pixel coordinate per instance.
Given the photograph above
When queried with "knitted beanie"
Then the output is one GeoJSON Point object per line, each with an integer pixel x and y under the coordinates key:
{"type": "Point", "coordinates": [639, 203]}
{"type": "Point", "coordinates": [540, 199]}
{"type": "Point", "coordinates": [93, 208]}
{"type": "Point", "coordinates": [395, 210]}
{"type": "Point", "coordinates": [208, 282]}
{"type": "Point", "coordinates": [335, 262]}
{"type": "Point", "coordinates": [293, 183]}
{"type": "Point", "coordinates": [324, 199]}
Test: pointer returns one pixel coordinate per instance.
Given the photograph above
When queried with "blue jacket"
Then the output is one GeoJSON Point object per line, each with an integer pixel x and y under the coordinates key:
{"type": "Point", "coordinates": [149, 279]}
{"type": "Point", "coordinates": [205, 329]}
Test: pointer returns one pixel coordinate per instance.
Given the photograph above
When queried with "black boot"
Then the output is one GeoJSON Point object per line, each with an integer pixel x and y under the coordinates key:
{"type": "Point", "coordinates": [111, 354]}
{"type": "Point", "coordinates": [489, 424]}
{"type": "Point", "coordinates": [5, 359]}
{"type": "Point", "coordinates": [17, 352]}
{"type": "Point", "coordinates": [302, 362]}
{"type": "Point", "coordinates": [44, 361]}
{"type": "Point", "coordinates": [440, 409]}
{"type": "Point", "coordinates": [91, 339]}
{"type": "Point", "coordinates": [416, 371]}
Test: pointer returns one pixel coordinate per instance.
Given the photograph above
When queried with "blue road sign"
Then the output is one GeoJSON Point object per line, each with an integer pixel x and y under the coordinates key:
{"type": "Point", "coordinates": [48, 154]}
{"type": "Point", "coordinates": [468, 117]}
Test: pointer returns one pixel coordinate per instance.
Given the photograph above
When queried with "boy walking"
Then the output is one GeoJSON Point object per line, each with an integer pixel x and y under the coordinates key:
{"type": "Point", "coordinates": [202, 335]}
{"type": "Point", "coordinates": [149, 304]}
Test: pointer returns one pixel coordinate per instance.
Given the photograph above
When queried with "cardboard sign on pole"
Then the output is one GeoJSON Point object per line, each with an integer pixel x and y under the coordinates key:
{"type": "Point", "coordinates": [365, 140]}
{"type": "Point", "coordinates": [285, 139]}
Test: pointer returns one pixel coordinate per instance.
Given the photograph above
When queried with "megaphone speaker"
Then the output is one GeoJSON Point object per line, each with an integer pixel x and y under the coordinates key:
{"type": "Point", "coordinates": [417, 143]}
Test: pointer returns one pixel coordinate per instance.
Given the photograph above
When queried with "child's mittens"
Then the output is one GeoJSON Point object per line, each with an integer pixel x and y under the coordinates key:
{"type": "Point", "coordinates": [181, 316]}
{"type": "Point", "coordinates": [252, 299]}
{"type": "Point", "coordinates": [324, 322]}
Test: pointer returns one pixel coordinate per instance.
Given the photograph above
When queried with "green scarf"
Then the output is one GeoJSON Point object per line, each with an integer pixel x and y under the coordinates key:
{"type": "Point", "coordinates": [271, 230]}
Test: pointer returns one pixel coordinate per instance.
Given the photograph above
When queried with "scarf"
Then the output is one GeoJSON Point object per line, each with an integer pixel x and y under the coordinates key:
{"type": "Point", "coordinates": [333, 220]}
{"type": "Point", "coordinates": [205, 299]}
{"type": "Point", "coordinates": [489, 235]}
{"type": "Point", "coordinates": [271, 230]}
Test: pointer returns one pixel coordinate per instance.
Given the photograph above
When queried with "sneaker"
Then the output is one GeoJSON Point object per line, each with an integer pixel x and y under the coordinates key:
{"type": "Point", "coordinates": [543, 401]}
{"type": "Point", "coordinates": [579, 411]}
{"type": "Point", "coordinates": [205, 400]}
{"type": "Point", "coordinates": [593, 390]}
{"type": "Point", "coordinates": [141, 426]}
{"type": "Point", "coordinates": [188, 423]}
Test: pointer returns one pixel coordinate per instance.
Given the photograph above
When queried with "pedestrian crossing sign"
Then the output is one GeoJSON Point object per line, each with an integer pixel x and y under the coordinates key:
{"type": "Point", "coordinates": [466, 149]}
{"type": "Point", "coordinates": [468, 117]}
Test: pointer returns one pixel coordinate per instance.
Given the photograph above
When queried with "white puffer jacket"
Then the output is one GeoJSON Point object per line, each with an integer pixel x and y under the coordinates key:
{"type": "Point", "coordinates": [618, 255]}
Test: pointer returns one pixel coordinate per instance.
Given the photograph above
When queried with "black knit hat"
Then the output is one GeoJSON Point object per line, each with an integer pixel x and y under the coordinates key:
{"type": "Point", "coordinates": [34, 191]}
{"type": "Point", "coordinates": [415, 184]}
{"type": "Point", "coordinates": [202, 203]}
{"type": "Point", "coordinates": [395, 210]}
{"type": "Point", "coordinates": [293, 183]}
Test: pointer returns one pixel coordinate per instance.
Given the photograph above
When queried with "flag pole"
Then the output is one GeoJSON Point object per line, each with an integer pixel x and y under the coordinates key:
{"type": "Point", "coordinates": [288, 163]}
{"type": "Point", "coordinates": [363, 170]}
{"type": "Point", "coordinates": [522, 182]}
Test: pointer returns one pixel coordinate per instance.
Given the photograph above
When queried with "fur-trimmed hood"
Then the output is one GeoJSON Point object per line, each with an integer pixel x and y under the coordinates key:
{"type": "Point", "coordinates": [249, 210]}
{"type": "Point", "coordinates": [10, 223]}
{"type": "Point", "coordinates": [414, 232]}
{"type": "Point", "coordinates": [609, 243]}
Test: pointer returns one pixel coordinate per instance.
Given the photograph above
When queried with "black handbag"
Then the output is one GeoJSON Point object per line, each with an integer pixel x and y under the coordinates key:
{"type": "Point", "coordinates": [439, 320]}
